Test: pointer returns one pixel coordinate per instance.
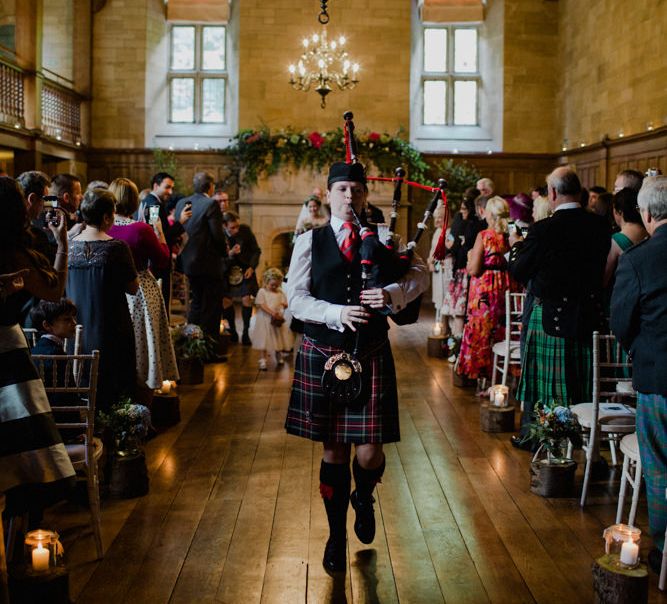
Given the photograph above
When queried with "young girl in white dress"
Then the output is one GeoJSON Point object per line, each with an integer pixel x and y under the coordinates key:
{"type": "Point", "coordinates": [269, 331]}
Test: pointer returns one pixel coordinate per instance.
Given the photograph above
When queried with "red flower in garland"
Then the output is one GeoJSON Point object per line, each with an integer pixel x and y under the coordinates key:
{"type": "Point", "coordinates": [373, 137]}
{"type": "Point", "coordinates": [316, 139]}
{"type": "Point", "coordinates": [252, 138]}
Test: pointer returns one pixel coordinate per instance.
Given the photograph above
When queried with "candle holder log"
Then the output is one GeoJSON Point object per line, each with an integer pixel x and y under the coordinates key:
{"type": "Point", "coordinates": [28, 587]}
{"type": "Point", "coordinates": [496, 419]}
{"type": "Point", "coordinates": [129, 476]}
{"type": "Point", "coordinates": [435, 346]}
{"type": "Point", "coordinates": [550, 479]}
{"type": "Point", "coordinates": [612, 585]}
{"type": "Point", "coordinates": [166, 410]}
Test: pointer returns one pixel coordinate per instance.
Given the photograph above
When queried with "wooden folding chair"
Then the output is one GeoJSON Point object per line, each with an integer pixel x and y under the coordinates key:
{"type": "Point", "coordinates": [76, 375]}
{"type": "Point", "coordinates": [607, 417]}
{"type": "Point", "coordinates": [507, 351]}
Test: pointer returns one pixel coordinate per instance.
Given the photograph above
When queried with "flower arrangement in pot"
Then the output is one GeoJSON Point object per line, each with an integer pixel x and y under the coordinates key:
{"type": "Point", "coordinates": [553, 425]}
{"type": "Point", "coordinates": [192, 348]}
{"type": "Point", "coordinates": [129, 424]}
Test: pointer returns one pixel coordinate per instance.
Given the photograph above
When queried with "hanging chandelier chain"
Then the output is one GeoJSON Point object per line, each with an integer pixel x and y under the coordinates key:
{"type": "Point", "coordinates": [323, 17]}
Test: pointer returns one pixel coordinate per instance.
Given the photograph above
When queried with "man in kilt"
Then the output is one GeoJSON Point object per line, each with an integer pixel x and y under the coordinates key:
{"type": "Point", "coordinates": [563, 260]}
{"type": "Point", "coordinates": [639, 320]}
{"type": "Point", "coordinates": [324, 291]}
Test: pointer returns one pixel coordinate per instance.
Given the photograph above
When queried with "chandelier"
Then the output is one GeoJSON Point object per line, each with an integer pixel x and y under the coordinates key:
{"type": "Point", "coordinates": [323, 63]}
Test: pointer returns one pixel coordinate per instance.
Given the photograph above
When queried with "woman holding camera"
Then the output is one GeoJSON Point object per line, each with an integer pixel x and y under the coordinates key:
{"type": "Point", "coordinates": [101, 272]}
{"type": "Point", "coordinates": [156, 360]}
{"type": "Point", "coordinates": [486, 299]}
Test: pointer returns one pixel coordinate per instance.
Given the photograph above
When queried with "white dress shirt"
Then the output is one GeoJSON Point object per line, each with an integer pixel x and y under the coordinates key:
{"type": "Point", "coordinates": [304, 306]}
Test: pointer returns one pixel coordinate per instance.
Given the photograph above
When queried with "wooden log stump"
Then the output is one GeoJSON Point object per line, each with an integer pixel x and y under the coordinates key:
{"type": "Point", "coordinates": [191, 371]}
{"type": "Point", "coordinates": [496, 419]}
{"type": "Point", "coordinates": [223, 343]}
{"type": "Point", "coordinates": [434, 346]}
{"type": "Point", "coordinates": [613, 585]}
{"type": "Point", "coordinates": [129, 476]}
{"type": "Point", "coordinates": [552, 479]}
{"type": "Point", "coordinates": [166, 410]}
{"type": "Point", "coordinates": [28, 587]}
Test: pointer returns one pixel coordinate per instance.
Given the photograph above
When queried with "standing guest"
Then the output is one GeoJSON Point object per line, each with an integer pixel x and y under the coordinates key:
{"type": "Point", "coordinates": [563, 257]}
{"type": "Point", "coordinates": [324, 291]}
{"type": "Point", "coordinates": [162, 188]}
{"type": "Point", "coordinates": [521, 210]}
{"type": "Point", "coordinates": [268, 329]}
{"type": "Point", "coordinates": [465, 227]}
{"type": "Point", "coordinates": [489, 281]}
{"type": "Point", "coordinates": [35, 470]}
{"type": "Point", "coordinates": [312, 217]}
{"type": "Point", "coordinates": [101, 272]}
{"type": "Point", "coordinates": [221, 197]}
{"type": "Point", "coordinates": [437, 268]}
{"type": "Point", "coordinates": [97, 184]}
{"type": "Point", "coordinates": [486, 187]}
{"type": "Point", "coordinates": [628, 179]}
{"type": "Point", "coordinates": [593, 196]}
{"type": "Point", "coordinates": [67, 188]}
{"type": "Point", "coordinates": [541, 209]}
{"type": "Point", "coordinates": [538, 191]}
{"type": "Point", "coordinates": [632, 231]}
{"type": "Point", "coordinates": [639, 321]}
{"type": "Point", "coordinates": [154, 350]}
{"type": "Point", "coordinates": [240, 280]}
{"type": "Point", "coordinates": [203, 255]}
{"type": "Point", "coordinates": [480, 210]}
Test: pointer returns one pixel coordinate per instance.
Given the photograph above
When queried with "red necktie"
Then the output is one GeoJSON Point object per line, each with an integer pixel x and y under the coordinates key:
{"type": "Point", "coordinates": [349, 243]}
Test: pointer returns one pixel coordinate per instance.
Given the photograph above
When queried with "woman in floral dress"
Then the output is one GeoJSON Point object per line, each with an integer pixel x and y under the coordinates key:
{"type": "Point", "coordinates": [489, 280]}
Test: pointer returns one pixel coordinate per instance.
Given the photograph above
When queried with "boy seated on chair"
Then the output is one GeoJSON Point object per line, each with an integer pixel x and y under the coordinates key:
{"type": "Point", "coordinates": [56, 322]}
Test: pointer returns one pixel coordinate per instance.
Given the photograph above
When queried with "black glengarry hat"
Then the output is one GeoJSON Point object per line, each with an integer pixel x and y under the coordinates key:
{"type": "Point", "coordinates": [349, 172]}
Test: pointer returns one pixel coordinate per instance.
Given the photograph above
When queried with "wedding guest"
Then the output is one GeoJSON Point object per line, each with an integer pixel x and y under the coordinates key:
{"type": "Point", "coordinates": [154, 350]}
{"type": "Point", "coordinates": [639, 321]}
{"type": "Point", "coordinates": [101, 272]}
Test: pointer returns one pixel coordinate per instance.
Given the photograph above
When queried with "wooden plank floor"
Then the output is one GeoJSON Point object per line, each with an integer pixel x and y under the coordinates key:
{"type": "Point", "coordinates": [234, 513]}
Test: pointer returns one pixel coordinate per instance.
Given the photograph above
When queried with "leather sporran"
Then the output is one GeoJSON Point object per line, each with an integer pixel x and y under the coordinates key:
{"type": "Point", "coordinates": [235, 275]}
{"type": "Point", "coordinates": [341, 380]}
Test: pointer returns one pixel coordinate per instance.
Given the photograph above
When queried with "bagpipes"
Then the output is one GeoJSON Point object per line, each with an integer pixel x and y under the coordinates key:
{"type": "Point", "coordinates": [383, 263]}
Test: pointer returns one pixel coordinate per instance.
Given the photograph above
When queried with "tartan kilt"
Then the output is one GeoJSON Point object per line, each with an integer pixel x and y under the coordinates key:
{"type": "Point", "coordinates": [373, 419]}
{"type": "Point", "coordinates": [554, 368]}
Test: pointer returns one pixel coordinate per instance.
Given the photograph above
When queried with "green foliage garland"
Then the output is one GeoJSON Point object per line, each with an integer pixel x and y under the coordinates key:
{"type": "Point", "coordinates": [262, 153]}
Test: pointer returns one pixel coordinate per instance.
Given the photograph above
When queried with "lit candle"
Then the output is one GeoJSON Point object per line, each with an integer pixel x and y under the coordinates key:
{"type": "Point", "coordinates": [166, 387]}
{"type": "Point", "coordinates": [437, 329]}
{"type": "Point", "coordinates": [40, 558]}
{"type": "Point", "coordinates": [629, 553]}
{"type": "Point", "coordinates": [499, 399]}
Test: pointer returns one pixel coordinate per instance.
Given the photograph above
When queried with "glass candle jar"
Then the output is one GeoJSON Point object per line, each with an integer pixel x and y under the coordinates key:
{"type": "Point", "coordinates": [42, 550]}
{"type": "Point", "coordinates": [499, 395]}
{"type": "Point", "coordinates": [622, 543]}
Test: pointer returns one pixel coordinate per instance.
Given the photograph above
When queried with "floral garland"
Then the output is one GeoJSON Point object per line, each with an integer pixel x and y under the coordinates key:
{"type": "Point", "coordinates": [262, 153]}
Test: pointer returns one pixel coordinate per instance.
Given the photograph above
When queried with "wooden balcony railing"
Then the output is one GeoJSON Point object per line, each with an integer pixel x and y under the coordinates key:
{"type": "Point", "coordinates": [11, 96]}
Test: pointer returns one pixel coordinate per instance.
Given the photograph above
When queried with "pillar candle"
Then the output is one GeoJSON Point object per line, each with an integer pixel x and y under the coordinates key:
{"type": "Point", "coordinates": [40, 558]}
{"type": "Point", "coordinates": [629, 553]}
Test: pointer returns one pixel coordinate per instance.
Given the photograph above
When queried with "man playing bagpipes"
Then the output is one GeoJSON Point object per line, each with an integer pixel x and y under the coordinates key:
{"type": "Point", "coordinates": [344, 389]}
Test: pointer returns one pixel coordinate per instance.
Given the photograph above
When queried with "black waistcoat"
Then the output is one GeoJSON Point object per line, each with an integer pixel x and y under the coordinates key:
{"type": "Point", "coordinates": [335, 280]}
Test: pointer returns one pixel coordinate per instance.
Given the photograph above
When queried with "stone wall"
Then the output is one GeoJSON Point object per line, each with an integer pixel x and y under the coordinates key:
{"type": "Point", "coordinates": [614, 72]}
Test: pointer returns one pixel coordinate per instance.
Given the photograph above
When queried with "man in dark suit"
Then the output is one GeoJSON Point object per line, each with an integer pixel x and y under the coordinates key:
{"type": "Point", "coordinates": [639, 321]}
{"type": "Point", "coordinates": [203, 255]}
{"type": "Point", "coordinates": [162, 188]}
{"type": "Point", "coordinates": [563, 257]}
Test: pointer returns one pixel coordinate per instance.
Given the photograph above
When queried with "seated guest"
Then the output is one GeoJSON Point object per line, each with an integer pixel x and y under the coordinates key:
{"type": "Point", "coordinates": [101, 272]}
{"type": "Point", "coordinates": [486, 299]}
{"type": "Point", "coordinates": [155, 357]}
{"type": "Point", "coordinates": [639, 321]}
{"type": "Point", "coordinates": [562, 259]}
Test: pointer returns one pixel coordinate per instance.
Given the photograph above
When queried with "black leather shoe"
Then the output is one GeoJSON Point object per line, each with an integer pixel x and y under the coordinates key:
{"type": "Point", "coordinates": [245, 339]}
{"type": "Point", "coordinates": [655, 560]}
{"type": "Point", "coordinates": [519, 443]}
{"type": "Point", "coordinates": [364, 524]}
{"type": "Point", "coordinates": [334, 560]}
{"type": "Point", "coordinates": [233, 337]}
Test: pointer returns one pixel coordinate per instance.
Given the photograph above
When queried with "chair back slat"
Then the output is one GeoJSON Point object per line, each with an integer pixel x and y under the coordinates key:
{"type": "Point", "coordinates": [80, 384]}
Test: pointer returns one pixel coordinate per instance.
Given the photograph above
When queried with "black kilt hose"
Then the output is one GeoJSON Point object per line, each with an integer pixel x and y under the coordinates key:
{"type": "Point", "coordinates": [373, 418]}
